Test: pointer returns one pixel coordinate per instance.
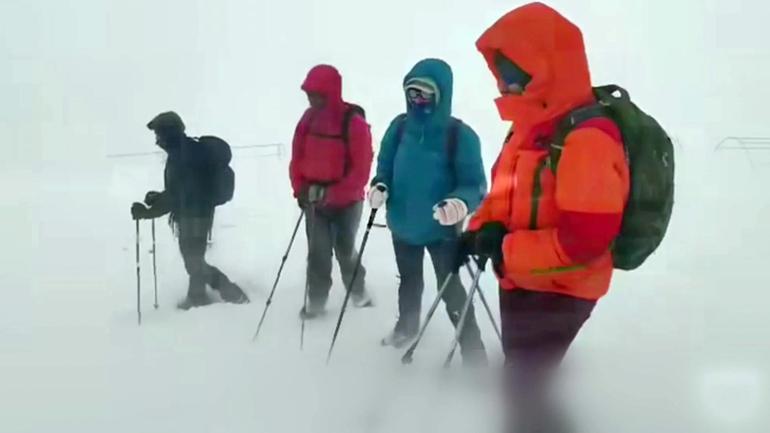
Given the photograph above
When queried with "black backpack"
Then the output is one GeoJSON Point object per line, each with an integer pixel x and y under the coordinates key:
{"type": "Point", "coordinates": [650, 156]}
{"type": "Point", "coordinates": [452, 137]}
{"type": "Point", "coordinates": [222, 175]}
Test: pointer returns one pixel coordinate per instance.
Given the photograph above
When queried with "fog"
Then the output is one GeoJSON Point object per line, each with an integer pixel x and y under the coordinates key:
{"type": "Point", "coordinates": [680, 345]}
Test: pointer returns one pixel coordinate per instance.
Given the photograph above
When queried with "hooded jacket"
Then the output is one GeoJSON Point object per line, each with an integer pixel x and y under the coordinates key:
{"type": "Point", "coordinates": [417, 168]}
{"type": "Point", "coordinates": [319, 152]}
{"type": "Point", "coordinates": [561, 225]}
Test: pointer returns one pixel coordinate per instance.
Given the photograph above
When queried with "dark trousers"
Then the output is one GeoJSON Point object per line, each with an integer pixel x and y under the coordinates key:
{"type": "Point", "coordinates": [409, 259]}
{"type": "Point", "coordinates": [332, 232]}
{"type": "Point", "coordinates": [193, 234]}
{"type": "Point", "coordinates": [538, 328]}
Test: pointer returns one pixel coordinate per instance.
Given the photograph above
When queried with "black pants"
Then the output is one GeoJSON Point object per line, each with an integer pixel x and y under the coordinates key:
{"type": "Point", "coordinates": [193, 233]}
{"type": "Point", "coordinates": [332, 232]}
{"type": "Point", "coordinates": [538, 328]}
{"type": "Point", "coordinates": [409, 259]}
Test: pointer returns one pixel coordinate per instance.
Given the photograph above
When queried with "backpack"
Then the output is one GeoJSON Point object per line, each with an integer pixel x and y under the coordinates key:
{"type": "Point", "coordinates": [222, 175]}
{"type": "Point", "coordinates": [650, 156]}
{"type": "Point", "coordinates": [452, 137]}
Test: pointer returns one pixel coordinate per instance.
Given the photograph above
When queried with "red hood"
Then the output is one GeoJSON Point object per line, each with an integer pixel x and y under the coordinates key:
{"type": "Point", "coordinates": [548, 47]}
{"type": "Point", "coordinates": [326, 80]}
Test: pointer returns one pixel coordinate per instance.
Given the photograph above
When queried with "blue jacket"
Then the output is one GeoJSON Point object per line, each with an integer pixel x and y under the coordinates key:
{"type": "Point", "coordinates": [418, 170]}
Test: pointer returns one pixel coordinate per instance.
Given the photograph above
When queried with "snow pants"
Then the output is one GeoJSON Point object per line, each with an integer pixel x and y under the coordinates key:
{"type": "Point", "coordinates": [193, 240]}
{"type": "Point", "coordinates": [537, 328]}
{"type": "Point", "coordinates": [332, 231]}
{"type": "Point", "coordinates": [409, 259]}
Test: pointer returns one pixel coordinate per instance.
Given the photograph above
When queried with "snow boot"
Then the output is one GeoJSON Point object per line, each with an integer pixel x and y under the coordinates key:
{"type": "Point", "coordinates": [194, 301]}
{"type": "Point", "coordinates": [403, 334]}
{"type": "Point", "coordinates": [474, 354]}
{"type": "Point", "coordinates": [398, 339]}
{"type": "Point", "coordinates": [233, 294]}
{"type": "Point", "coordinates": [314, 310]}
{"type": "Point", "coordinates": [471, 347]}
{"type": "Point", "coordinates": [362, 299]}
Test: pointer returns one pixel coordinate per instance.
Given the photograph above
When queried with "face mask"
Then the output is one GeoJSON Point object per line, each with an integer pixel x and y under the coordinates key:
{"type": "Point", "coordinates": [421, 100]}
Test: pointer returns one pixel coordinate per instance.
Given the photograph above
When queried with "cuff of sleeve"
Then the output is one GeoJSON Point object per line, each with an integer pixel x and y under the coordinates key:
{"type": "Point", "coordinates": [377, 180]}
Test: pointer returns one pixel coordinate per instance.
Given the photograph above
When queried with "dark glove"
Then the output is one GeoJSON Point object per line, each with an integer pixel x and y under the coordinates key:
{"type": "Point", "coordinates": [314, 194]}
{"type": "Point", "coordinates": [139, 211]}
{"type": "Point", "coordinates": [302, 199]}
{"type": "Point", "coordinates": [151, 197]}
{"type": "Point", "coordinates": [489, 242]}
{"type": "Point", "coordinates": [466, 245]}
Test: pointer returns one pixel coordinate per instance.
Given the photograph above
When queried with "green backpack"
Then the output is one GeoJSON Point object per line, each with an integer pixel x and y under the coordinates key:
{"type": "Point", "coordinates": [650, 156]}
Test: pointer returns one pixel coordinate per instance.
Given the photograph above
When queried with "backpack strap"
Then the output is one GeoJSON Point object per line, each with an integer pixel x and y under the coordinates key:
{"type": "Point", "coordinates": [606, 97]}
{"type": "Point", "coordinates": [346, 119]}
{"type": "Point", "coordinates": [344, 135]}
{"type": "Point", "coordinates": [400, 128]}
{"type": "Point", "coordinates": [571, 122]}
{"type": "Point", "coordinates": [453, 137]}
{"type": "Point", "coordinates": [401, 119]}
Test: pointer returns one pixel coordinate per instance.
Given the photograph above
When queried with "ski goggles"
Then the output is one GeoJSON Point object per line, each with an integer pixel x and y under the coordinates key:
{"type": "Point", "coordinates": [510, 72]}
{"type": "Point", "coordinates": [419, 96]}
{"type": "Point", "coordinates": [421, 91]}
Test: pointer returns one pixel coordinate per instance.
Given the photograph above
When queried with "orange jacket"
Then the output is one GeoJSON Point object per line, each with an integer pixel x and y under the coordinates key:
{"type": "Point", "coordinates": [560, 225]}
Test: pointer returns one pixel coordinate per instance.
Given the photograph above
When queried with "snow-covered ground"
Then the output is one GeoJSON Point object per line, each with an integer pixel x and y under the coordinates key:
{"type": "Point", "coordinates": [678, 346]}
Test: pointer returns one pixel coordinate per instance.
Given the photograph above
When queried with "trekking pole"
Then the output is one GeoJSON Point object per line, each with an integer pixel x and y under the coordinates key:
{"type": "Point", "coordinates": [369, 225]}
{"type": "Point", "coordinates": [138, 279]}
{"type": "Point", "coordinates": [486, 304]}
{"type": "Point", "coordinates": [407, 358]}
{"type": "Point", "coordinates": [464, 316]}
{"type": "Point", "coordinates": [154, 265]}
{"type": "Point", "coordinates": [278, 277]}
{"type": "Point", "coordinates": [311, 227]}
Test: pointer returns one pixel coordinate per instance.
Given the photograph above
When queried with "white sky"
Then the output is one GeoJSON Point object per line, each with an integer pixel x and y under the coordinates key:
{"type": "Point", "coordinates": [80, 79]}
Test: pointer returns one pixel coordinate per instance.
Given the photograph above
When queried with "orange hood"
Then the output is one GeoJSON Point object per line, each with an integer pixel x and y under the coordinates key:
{"type": "Point", "coordinates": [549, 48]}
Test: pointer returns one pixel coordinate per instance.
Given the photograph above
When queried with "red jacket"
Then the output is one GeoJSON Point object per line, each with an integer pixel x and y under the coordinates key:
{"type": "Point", "coordinates": [319, 153]}
{"type": "Point", "coordinates": [561, 225]}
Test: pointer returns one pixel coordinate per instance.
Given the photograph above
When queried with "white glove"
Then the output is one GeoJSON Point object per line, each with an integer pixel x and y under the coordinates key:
{"type": "Point", "coordinates": [450, 211]}
{"type": "Point", "coordinates": [378, 195]}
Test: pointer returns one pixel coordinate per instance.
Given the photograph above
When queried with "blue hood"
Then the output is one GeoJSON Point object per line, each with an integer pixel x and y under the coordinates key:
{"type": "Point", "coordinates": [415, 163]}
{"type": "Point", "coordinates": [440, 73]}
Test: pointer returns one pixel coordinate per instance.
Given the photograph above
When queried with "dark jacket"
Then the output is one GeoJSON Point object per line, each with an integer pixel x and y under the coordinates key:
{"type": "Point", "coordinates": [188, 181]}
